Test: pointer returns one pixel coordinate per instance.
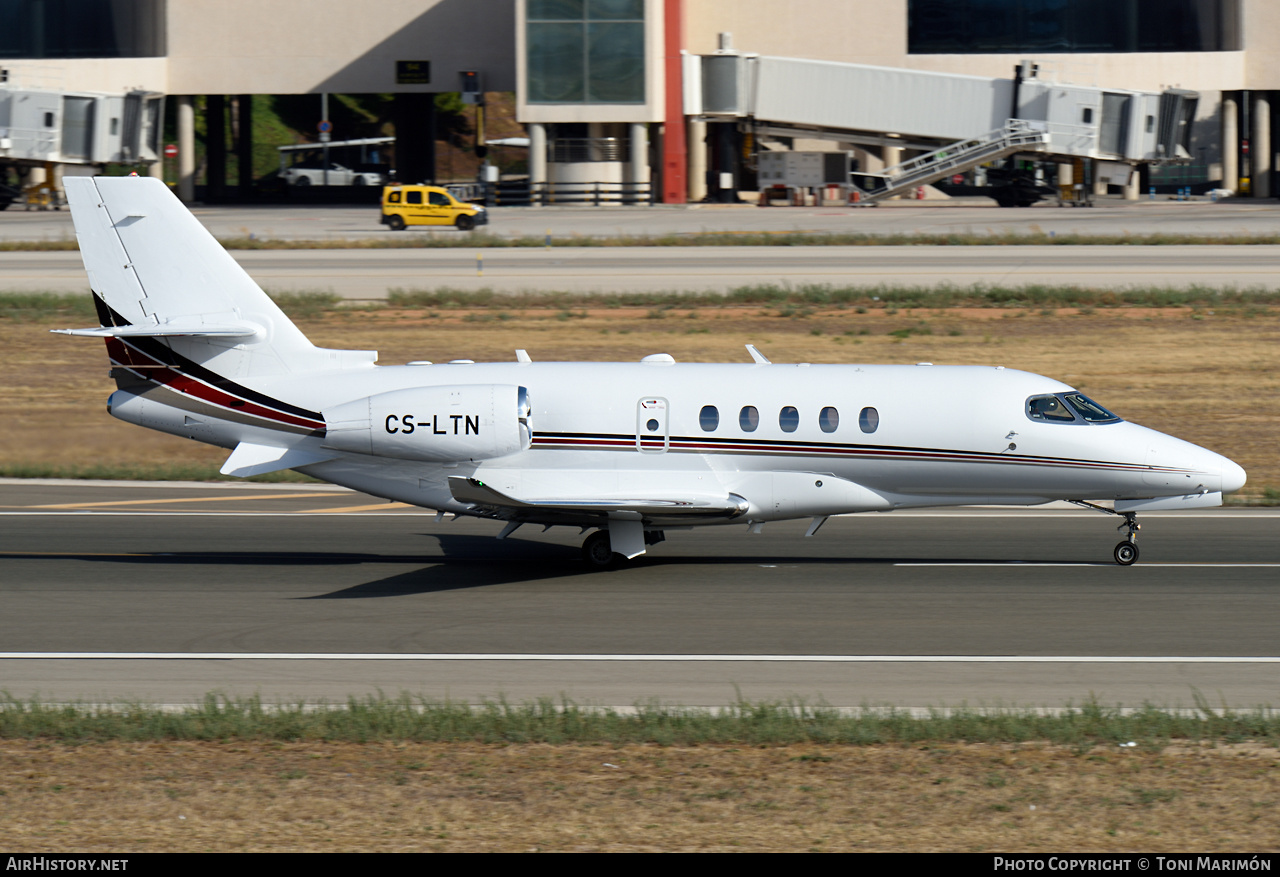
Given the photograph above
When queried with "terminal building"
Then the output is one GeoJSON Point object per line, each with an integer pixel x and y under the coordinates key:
{"type": "Point", "coordinates": [675, 98]}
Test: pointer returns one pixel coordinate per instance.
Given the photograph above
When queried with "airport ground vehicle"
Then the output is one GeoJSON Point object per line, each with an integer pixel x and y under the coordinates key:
{"type": "Point", "coordinates": [428, 205]}
{"type": "Point", "coordinates": [625, 449]}
{"type": "Point", "coordinates": [312, 173]}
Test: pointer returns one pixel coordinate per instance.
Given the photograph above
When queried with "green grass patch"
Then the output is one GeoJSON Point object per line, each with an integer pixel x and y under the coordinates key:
{"type": "Point", "coordinates": [1256, 300]}
{"type": "Point", "coordinates": [312, 304]}
{"type": "Point", "coordinates": [407, 718]}
{"type": "Point", "coordinates": [29, 307]}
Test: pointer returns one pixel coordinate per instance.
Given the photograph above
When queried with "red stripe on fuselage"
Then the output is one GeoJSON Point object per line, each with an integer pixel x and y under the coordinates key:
{"type": "Point", "coordinates": [149, 368]}
{"type": "Point", "coordinates": [803, 450]}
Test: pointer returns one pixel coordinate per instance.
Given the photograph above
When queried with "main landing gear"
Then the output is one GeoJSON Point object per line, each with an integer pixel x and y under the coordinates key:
{"type": "Point", "coordinates": [598, 551]}
{"type": "Point", "coordinates": [1126, 552]}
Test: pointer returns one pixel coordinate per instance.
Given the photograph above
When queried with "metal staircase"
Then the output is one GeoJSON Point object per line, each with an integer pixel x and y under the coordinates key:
{"type": "Point", "coordinates": [1017, 135]}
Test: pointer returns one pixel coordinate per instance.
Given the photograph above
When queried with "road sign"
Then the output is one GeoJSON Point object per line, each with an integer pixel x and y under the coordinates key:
{"type": "Point", "coordinates": [325, 127]}
{"type": "Point", "coordinates": [170, 150]}
{"type": "Point", "coordinates": [413, 73]}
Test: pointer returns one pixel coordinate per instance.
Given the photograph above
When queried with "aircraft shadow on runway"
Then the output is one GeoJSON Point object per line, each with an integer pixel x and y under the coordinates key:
{"type": "Point", "coordinates": [467, 561]}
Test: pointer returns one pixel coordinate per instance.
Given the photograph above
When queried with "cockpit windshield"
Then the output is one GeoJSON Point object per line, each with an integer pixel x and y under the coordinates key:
{"type": "Point", "coordinates": [1089, 409]}
{"type": "Point", "coordinates": [1049, 408]}
{"type": "Point", "coordinates": [1068, 408]}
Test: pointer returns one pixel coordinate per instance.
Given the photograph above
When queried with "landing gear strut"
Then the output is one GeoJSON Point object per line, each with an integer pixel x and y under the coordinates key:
{"type": "Point", "coordinates": [1126, 552]}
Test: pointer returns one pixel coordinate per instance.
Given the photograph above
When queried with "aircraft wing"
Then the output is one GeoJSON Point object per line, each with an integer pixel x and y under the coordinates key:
{"type": "Point", "coordinates": [484, 498]}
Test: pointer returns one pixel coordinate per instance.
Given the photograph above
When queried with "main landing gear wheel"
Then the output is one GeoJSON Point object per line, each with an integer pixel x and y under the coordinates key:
{"type": "Point", "coordinates": [597, 551]}
{"type": "Point", "coordinates": [1126, 553]}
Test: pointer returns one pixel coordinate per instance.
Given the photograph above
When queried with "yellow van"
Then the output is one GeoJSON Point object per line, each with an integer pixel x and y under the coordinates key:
{"type": "Point", "coordinates": [428, 205]}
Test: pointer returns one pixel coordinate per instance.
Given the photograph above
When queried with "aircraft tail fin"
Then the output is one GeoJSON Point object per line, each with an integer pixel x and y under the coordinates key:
{"type": "Point", "coordinates": [155, 271]}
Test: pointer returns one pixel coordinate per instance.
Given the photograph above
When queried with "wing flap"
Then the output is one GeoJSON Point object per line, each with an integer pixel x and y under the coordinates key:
{"type": "Point", "coordinates": [476, 493]}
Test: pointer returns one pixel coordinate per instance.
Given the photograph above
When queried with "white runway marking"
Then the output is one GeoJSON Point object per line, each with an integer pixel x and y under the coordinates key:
{"type": "Point", "coordinates": [786, 659]}
{"type": "Point", "coordinates": [1134, 566]}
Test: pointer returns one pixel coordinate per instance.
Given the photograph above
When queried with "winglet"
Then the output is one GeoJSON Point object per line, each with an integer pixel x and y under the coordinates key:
{"type": "Point", "coordinates": [759, 357]}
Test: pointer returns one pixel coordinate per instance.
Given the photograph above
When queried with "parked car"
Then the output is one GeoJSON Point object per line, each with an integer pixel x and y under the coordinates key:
{"type": "Point", "coordinates": [428, 205]}
{"type": "Point", "coordinates": [311, 173]}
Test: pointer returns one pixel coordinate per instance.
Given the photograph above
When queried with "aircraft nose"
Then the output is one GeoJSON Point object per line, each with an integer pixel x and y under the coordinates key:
{"type": "Point", "coordinates": [1233, 476]}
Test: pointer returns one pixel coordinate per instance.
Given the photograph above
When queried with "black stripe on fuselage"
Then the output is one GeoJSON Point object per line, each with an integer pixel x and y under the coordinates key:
{"type": "Point", "coordinates": [689, 444]}
{"type": "Point", "coordinates": [162, 352]}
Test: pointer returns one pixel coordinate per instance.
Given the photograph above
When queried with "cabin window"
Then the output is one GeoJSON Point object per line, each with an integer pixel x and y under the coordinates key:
{"type": "Point", "coordinates": [413, 197]}
{"type": "Point", "coordinates": [393, 198]}
{"type": "Point", "coordinates": [829, 419]}
{"type": "Point", "coordinates": [869, 420]}
{"type": "Point", "coordinates": [749, 418]}
{"type": "Point", "coordinates": [708, 418]}
{"type": "Point", "coordinates": [1090, 410]}
{"type": "Point", "coordinates": [788, 419]}
{"type": "Point", "coordinates": [652, 425]}
{"type": "Point", "coordinates": [1049, 409]}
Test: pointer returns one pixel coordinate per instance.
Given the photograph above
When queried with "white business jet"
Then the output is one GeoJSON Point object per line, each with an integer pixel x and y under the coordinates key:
{"type": "Point", "coordinates": [625, 450]}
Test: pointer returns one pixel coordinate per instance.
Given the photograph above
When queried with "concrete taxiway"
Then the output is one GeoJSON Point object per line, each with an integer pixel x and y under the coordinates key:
{"type": "Point", "coordinates": [980, 216]}
{"type": "Point", "coordinates": [162, 593]}
{"type": "Point", "coordinates": [370, 274]}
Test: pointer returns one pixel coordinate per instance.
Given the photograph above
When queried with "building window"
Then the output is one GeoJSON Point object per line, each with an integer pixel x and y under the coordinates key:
{"type": "Point", "coordinates": [1044, 26]}
{"type": "Point", "coordinates": [585, 51]}
{"type": "Point", "coordinates": [82, 29]}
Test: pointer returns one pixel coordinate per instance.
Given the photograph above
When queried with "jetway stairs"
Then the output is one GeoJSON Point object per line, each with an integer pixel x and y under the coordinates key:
{"type": "Point", "coordinates": [1017, 135]}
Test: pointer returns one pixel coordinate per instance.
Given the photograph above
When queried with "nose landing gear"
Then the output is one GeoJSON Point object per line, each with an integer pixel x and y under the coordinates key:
{"type": "Point", "coordinates": [1126, 552]}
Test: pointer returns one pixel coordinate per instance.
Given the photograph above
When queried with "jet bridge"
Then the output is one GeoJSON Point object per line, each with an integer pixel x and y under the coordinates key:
{"type": "Point", "coordinates": [957, 121]}
{"type": "Point", "coordinates": [47, 127]}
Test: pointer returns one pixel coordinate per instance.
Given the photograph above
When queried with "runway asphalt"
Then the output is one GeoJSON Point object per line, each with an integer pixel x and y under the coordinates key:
{"type": "Point", "coordinates": [162, 593]}
{"type": "Point", "coordinates": [370, 274]}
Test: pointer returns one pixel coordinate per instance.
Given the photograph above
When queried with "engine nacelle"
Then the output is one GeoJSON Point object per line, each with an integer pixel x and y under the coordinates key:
{"type": "Point", "coordinates": [435, 424]}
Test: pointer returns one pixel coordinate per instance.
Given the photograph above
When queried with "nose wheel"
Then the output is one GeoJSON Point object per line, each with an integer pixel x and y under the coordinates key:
{"type": "Point", "coordinates": [1125, 553]}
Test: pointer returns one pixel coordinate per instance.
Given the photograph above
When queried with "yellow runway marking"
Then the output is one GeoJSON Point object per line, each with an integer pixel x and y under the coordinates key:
{"type": "Point", "coordinates": [122, 502]}
{"type": "Point", "coordinates": [359, 508]}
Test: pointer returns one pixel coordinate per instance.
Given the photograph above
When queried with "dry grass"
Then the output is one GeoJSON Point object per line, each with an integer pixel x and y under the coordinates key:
{"type": "Point", "coordinates": [1209, 377]}
{"type": "Point", "coordinates": [474, 797]}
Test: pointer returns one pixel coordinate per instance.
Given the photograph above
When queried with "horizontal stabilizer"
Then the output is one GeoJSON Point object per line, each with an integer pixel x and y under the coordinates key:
{"type": "Point", "coordinates": [183, 326]}
{"type": "Point", "coordinates": [250, 459]}
{"type": "Point", "coordinates": [475, 492]}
